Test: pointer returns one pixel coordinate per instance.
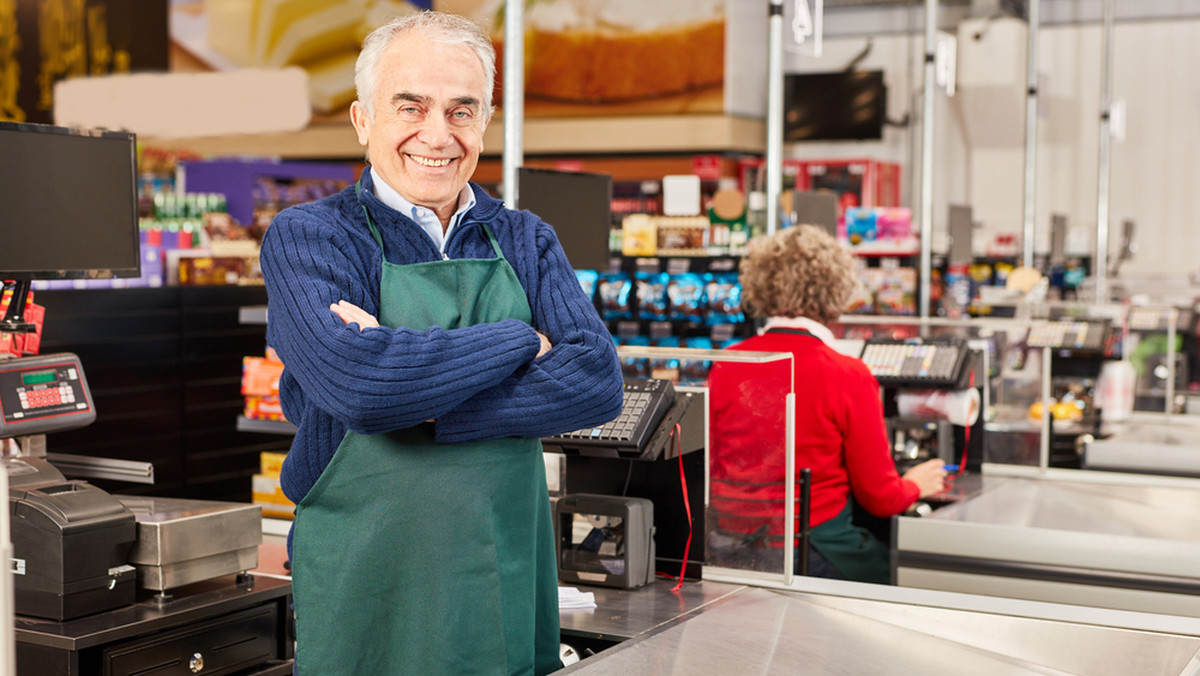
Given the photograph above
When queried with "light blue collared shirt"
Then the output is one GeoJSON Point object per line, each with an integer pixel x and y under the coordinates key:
{"type": "Point", "coordinates": [424, 216]}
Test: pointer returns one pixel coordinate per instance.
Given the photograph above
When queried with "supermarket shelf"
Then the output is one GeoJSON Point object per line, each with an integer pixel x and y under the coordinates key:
{"type": "Point", "coordinates": [245, 424]}
{"type": "Point", "coordinates": [575, 135]}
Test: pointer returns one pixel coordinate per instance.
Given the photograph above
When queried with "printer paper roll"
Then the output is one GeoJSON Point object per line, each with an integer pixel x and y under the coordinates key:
{"type": "Point", "coordinates": [960, 407]}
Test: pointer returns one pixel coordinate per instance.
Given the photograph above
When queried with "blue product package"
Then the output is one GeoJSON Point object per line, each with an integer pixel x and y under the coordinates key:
{"type": "Point", "coordinates": [665, 368]}
{"type": "Point", "coordinates": [861, 224]}
{"type": "Point", "coordinates": [695, 371]}
{"type": "Point", "coordinates": [723, 294]}
{"type": "Point", "coordinates": [587, 280]}
{"type": "Point", "coordinates": [652, 295]}
{"type": "Point", "coordinates": [613, 289]}
{"type": "Point", "coordinates": [685, 293]}
{"type": "Point", "coordinates": [635, 367]}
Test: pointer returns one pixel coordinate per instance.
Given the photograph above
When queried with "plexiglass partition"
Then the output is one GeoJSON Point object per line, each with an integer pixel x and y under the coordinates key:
{"type": "Point", "coordinates": [750, 467]}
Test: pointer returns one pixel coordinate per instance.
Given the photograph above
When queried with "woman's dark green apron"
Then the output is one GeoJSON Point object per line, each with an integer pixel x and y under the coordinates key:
{"type": "Point", "coordinates": [412, 557]}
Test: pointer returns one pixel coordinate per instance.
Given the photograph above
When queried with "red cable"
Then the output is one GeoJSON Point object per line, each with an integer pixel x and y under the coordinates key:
{"type": "Point", "coordinates": [687, 506]}
{"type": "Point", "coordinates": [962, 465]}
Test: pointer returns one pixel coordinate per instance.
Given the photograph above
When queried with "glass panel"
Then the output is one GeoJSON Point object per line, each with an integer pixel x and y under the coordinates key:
{"type": "Point", "coordinates": [747, 466]}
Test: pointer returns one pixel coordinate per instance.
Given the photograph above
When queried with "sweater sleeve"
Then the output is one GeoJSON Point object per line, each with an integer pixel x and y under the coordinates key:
{"type": "Point", "coordinates": [873, 477]}
{"type": "Point", "coordinates": [576, 384]}
{"type": "Point", "coordinates": [380, 379]}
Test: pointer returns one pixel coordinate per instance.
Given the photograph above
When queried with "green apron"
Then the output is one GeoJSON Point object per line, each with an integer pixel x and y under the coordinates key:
{"type": "Point", "coordinates": [413, 557]}
{"type": "Point", "coordinates": [853, 550]}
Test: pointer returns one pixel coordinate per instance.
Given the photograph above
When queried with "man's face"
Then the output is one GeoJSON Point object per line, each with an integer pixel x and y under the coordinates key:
{"type": "Point", "coordinates": [431, 108]}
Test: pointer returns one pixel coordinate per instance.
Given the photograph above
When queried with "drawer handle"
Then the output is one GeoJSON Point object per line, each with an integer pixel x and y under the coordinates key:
{"type": "Point", "coordinates": [196, 664]}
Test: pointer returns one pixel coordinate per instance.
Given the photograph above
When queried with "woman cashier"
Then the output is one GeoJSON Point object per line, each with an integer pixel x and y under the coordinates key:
{"type": "Point", "coordinates": [800, 279]}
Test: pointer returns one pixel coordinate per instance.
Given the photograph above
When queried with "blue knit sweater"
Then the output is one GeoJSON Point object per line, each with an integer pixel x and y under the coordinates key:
{"type": "Point", "coordinates": [479, 382]}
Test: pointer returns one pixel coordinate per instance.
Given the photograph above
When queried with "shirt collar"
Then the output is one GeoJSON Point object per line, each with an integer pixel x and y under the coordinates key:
{"type": "Point", "coordinates": [819, 330]}
{"type": "Point", "coordinates": [423, 216]}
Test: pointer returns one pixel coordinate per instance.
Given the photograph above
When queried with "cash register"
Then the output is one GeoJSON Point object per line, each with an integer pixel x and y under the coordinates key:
{"type": "Point", "coordinates": [70, 539]}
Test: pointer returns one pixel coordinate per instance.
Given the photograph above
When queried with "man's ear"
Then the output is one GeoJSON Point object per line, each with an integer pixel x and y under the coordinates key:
{"type": "Point", "coordinates": [362, 122]}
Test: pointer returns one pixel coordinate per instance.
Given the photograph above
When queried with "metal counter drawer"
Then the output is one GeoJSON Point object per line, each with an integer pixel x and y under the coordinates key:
{"type": "Point", "coordinates": [219, 646]}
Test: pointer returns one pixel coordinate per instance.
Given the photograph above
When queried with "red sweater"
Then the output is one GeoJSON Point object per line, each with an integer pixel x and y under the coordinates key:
{"type": "Point", "coordinates": [840, 436]}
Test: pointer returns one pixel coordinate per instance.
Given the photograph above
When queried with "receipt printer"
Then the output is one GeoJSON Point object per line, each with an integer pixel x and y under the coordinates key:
{"type": "Point", "coordinates": [70, 543]}
{"type": "Point", "coordinates": [605, 540]}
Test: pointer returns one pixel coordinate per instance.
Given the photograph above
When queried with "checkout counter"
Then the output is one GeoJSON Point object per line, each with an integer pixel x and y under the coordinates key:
{"type": "Point", "coordinates": [1018, 568]}
{"type": "Point", "coordinates": [110, 584]}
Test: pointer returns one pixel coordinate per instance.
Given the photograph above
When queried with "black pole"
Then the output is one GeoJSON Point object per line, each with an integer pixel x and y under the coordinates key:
{"type": "Point", "coordinates": [805, 486]}
{"type": "Point", "coordinates": [14, 318]}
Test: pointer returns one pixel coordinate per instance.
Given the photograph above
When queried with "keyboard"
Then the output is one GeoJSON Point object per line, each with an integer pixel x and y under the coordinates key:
{"type": "Point", "coordinates": [647, 401]}
{"type": "Point", "coordinates": [899, 362]}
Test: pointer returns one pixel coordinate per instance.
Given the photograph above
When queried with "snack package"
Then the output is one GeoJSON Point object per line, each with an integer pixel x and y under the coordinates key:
{"type": "Point", "coordinates": [723, 296]}
{"type": "Point", "coordinates": [665, 369]}
{"type": "Point", "coordinates": [693, 371]}
{"type": "Point", "coordinates": [685, 293]}
{"type": "Point", "coordinates": [652, 295]}
{"type": "Point", "coordinates": [635, 367]}
{"type": "Point", "coordinates": [587, 280]}
{"type": "Point", "coordinates": [613, 290]}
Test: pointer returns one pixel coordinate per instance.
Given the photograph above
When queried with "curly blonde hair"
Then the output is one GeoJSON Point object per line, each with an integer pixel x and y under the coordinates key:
{"type": "Point", "coordinates": [800, 271]}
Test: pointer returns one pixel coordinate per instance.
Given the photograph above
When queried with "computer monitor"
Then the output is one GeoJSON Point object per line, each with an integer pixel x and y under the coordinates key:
{"type": "Point", "coordinates": [68, 205]}
{"type": "Point", "coordinates": [843, 105]}
{"type": "Point", "coordinates": [579, 207]}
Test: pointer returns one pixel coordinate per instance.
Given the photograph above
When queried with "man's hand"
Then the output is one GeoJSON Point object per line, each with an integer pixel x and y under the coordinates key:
{"type": "Point", "coordinates": [352, 314]}
{"type": "Point", "coordinates": [545, 344]}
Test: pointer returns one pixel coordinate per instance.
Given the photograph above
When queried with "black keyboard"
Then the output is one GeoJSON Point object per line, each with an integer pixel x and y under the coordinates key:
{"type": "Point", "coordinates": [1069, 334]}
{"type": "Point", "coordinates": [900, 362]}
{"type": "Point", "coordinates": [646, 402]}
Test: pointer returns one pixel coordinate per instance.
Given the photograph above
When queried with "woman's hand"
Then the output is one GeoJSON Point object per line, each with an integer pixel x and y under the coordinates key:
{"type": "Point", "coordinates": [929, 476]}
{"type": "Point", "coordinates": [352, 314]}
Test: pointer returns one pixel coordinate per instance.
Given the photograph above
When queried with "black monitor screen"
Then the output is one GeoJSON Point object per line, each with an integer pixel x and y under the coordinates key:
{"type": "Point", "coordinates": [579, 207]}
{"type": "Point", "coordinates": [68, 203]}
{"type": "Point", "coordinates": [834, 106]}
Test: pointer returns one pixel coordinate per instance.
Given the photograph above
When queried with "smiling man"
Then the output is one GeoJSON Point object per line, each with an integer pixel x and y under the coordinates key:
{"type": "Point", "coordinates": [430, 338]}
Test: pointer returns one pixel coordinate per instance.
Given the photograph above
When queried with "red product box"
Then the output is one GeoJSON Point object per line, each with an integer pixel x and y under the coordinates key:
{"type": "Point", "coordinates": [856, 182]}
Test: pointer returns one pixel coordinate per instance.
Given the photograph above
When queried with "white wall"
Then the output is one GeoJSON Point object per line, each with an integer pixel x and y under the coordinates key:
{"type": "Point", "coordinates": [979, 134]}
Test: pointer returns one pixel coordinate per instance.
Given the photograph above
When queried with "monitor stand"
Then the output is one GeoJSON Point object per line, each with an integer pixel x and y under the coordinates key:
{"type": "Point", "coordinates": [14, 318]}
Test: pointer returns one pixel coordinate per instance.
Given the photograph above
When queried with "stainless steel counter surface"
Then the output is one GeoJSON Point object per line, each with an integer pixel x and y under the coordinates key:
{"type": "Point", "coordinates": [1136, 528]}
{"type": "Point", "coordinates": [622, 614]}
{"type": "Point", "coordinates": [1095, 538]}
{"type": "Point", "coordinates": [773, 632]}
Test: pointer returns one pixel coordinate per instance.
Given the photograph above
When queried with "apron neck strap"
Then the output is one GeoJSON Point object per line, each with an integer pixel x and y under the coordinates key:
{"type": "Point", "coordinates": [370, 223]}
{"type": "Point", "coordinates": [379, 238]}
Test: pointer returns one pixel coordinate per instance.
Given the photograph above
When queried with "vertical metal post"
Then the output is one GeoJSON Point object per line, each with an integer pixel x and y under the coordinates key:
{"type": "Point", "coordinates": [1100, 259]}
{"type": "Point", "coordinates": [1031, 129]}
{"type": "Point", "coordinates": [789, 488]}
{"type": "Point", "coordinates": [929, 90]}
{"type": "Point", "coordinates": [1044, 442]}
{"type": "Point", "coordinates": [8, 647]}
{"type": "Point", "coordinates": [1172, 318]}
{"type": "Point", "coordinates": [774, 113]}
{"type": "Point", "coordinates": [514, 97]}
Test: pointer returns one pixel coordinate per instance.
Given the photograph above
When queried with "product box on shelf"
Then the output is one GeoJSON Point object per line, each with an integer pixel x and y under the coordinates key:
{"type": "Point", "coordinates": [255, 191]}
{"type": "Point", "coordinates": [266, 492]}
{"type": "Point", "coordinates": [856, 182]}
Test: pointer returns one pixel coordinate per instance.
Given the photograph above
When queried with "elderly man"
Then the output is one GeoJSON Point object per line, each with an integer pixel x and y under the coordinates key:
{"type": "Point", "coordinates": [431, 337]}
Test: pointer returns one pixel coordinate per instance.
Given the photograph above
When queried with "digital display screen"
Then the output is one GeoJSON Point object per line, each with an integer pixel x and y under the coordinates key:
{"type": "Point", "coordinates": [38, 377]}
{"type": "Point", "coordinates": [579, 207]}
{"type": "Point", "coordinates": [68, 201]}
{"type": "Point", "coordinates": [834, 106]}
